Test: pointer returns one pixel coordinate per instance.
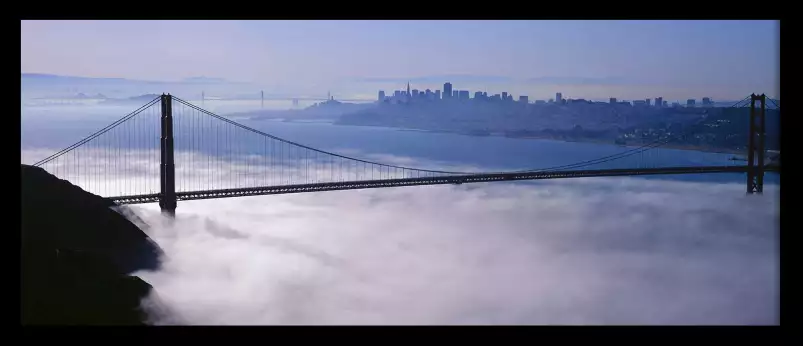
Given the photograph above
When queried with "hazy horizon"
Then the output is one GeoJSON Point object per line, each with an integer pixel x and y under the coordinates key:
{"type": "Point", "coordinates": [582, 59]}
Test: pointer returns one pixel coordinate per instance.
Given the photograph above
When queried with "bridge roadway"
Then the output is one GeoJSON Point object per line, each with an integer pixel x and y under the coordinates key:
{"type": "Point", "coordinates": [451, 179]}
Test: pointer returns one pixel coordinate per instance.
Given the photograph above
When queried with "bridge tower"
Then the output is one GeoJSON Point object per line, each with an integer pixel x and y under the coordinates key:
{"type": "Point", "coordinates": [167, 168]}
{"type": "Point", "coordinates": [755, 148]}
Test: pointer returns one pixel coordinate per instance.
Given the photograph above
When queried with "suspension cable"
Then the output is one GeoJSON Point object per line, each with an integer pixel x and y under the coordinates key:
{"type": "Point", "coordinates": [98, 133]}
{"type": "Point", "coordinates": [637, 150]}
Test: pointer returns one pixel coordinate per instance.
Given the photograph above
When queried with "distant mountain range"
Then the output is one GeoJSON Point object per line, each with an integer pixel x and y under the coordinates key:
{"type": "Point", "coordinates": [141, 99]}
{"type": "Point", "coordinates": [204, 80]}
{"type": "Point", "coordinates": [42, 77]}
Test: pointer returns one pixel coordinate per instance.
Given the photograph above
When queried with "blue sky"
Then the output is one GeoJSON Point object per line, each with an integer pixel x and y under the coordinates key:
{"type": "Point", "coordinates": [592, 59]}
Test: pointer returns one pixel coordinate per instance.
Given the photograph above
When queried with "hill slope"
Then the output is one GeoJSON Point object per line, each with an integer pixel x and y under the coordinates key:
{"type": "Point", "coordinates": [76, 254]}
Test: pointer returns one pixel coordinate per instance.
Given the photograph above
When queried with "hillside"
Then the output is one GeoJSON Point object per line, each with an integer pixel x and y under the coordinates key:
{"type": "Point", "coordinates": [76, 256]}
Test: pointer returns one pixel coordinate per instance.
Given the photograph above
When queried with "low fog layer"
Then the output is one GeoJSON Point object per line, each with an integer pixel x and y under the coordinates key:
{"type": "Point", "coordinates": [576, 251]}
{"type": "Point", "coordinates": [572, 251]}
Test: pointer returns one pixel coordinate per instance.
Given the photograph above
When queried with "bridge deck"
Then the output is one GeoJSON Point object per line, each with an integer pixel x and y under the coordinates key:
{"type": "Point", "coordinates": [453, 179]}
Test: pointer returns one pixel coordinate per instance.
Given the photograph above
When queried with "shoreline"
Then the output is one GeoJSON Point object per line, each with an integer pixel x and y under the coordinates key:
{"type": "Point", "coordinates": [500, 135]}
{"type": "Point", "coordinates": [591, 141]}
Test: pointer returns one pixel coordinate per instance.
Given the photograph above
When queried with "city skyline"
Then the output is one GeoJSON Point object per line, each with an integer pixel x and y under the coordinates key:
{"type": "Point", "coordinates": [408, 95]}
{"type": "Point", "coordinates": [676, 59]}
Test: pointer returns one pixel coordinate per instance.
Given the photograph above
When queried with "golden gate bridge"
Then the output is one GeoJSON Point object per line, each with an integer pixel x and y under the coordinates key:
{"type": "Point", "coordinates": [220, 158]}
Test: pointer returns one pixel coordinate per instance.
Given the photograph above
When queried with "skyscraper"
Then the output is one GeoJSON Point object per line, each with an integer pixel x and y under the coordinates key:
{"type": "Point", "coordinates": [437, 94]}
{"type": "Point", "coordinates": [447, 90]}
{"type": "Point", "coordinates": [381, 95]}
{"type": "Point", "coordinates": [558, 97]}
{"type": "Point", "coordinates": [647, 101]}
{"type": "Point", "coordinates": [612, 100]}
{"type": "Point", "coordinates": [504, 96]}
{"type": "Point", "coordinates": [659, 102]}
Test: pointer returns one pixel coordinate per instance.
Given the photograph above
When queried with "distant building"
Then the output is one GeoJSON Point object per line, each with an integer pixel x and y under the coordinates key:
{"type": "Point", "coordinates": [496, 97]}
{"type": "Point", "coordinates": [559, 97]}
{"type": "Point", "coordinates": [415, 93]}
{"type": "Point", "coordinates": [659, 102]}
{"type": "Point", "coordinates": [690, 103]}
{"type": "Point", "coordinates": [478, 95]}
{"type": "Point", "coordinates": [540, 102]}
{"type": "Point", "coordinates": [381, 96]}
{"type": "Point", "coordinates": [612, 100]}
{"type": "Point", "coordinates": [455, 94]}
{"type": "Point", "coordinates": [576, 101]}
{"type": "Point", "coordinates": [524, 99]}
{"type": "Point", "coordinates": [437, 94]}
{"type": "Point", "coordinates": [485, 94]}
{"type": "Point", "coordinates": [647, 101]}
{"type": "Point", "coordinates": [463, 94]}
{"type": "Point", "coordinates": [504, 95]}
{"type": "Point", "coordinates": [707, 101]}
{"type": "Point", "coordinates": [639, 103]}
{"type": "Point", "coordinates": [428, 93]}
{"type": "Point", "coordinates": [397, 94]}
{"type": "Point", "coordinates": [447, 90]}
{"type": "Point", "coordinates": [676, 104]}
{"type": "Point", "coordinates": [666, 103]}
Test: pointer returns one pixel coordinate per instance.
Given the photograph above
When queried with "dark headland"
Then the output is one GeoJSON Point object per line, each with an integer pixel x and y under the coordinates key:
{"type": "Point", "coordinates": [77, 256]}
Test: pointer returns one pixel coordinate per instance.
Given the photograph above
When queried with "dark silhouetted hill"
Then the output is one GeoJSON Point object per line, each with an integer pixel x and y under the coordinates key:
{"type": "Point", "coordinates": [76, 256]}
